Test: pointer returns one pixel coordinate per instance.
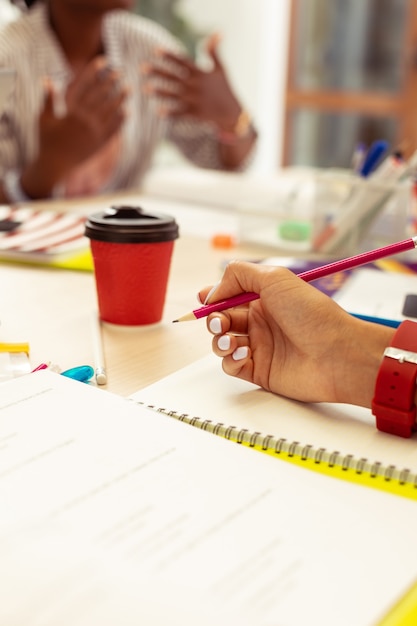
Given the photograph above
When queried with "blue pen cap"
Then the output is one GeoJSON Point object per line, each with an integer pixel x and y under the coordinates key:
{"type": "Point", "coordinates": [375, 153]}
{"type": "Point", "coordinates": [83, 373]}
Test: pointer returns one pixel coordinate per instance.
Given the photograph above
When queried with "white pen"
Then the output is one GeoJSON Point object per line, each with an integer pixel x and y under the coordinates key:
{"type": "Point", "coordinates": [364, 202]}
{"type": "Point", "coordinates": [99, 364]}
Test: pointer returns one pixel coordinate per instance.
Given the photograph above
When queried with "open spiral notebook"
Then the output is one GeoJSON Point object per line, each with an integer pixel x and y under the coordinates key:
{"type": "Point", "coordinates": [334, 439]}
{"type": "Point", "coordinates": [119, 515]}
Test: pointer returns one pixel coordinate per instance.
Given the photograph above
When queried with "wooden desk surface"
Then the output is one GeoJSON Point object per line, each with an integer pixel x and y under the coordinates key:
{"type": "Point", "coordinates": [52, 309]}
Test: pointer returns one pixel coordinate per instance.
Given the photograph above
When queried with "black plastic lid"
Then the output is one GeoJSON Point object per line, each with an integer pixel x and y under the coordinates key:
{"type": "Point", "coordinates": [127, 224]}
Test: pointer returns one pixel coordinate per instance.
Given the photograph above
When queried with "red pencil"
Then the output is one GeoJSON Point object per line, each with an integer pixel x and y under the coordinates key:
{"type": "Point", "coordinates": [308, 276]}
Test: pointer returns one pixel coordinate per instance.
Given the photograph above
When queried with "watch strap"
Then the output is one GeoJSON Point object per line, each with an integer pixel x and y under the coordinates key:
{"type": "Point", "coordinates": [394, 398]}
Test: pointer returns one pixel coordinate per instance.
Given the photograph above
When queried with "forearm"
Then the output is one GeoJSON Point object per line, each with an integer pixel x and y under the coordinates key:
{"type": "Point", "coordinates": [360, 362]}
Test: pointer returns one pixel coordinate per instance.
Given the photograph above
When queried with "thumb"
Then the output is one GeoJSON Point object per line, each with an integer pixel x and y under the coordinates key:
{"type": "Point", "coordinates": [238, 277]}
{"type": "Point", "coordinates": [212, 49]}
{"type": "Point", "coordinates": [48, 109]}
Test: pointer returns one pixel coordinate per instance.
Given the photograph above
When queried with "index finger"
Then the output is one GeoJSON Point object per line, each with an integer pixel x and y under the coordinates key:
{"type": "Point", "coordinates": [180, 60]}
{"type": "Point", "coordinates": [235, 280]}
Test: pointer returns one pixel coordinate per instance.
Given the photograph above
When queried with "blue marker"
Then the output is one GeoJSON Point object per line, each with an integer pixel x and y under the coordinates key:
{"type": "Point", "coordinates": [83, 373]}
{"type": "Point", "coordinates": [373, 157]}
{"type": "Point", "coordinates": [377, 320]}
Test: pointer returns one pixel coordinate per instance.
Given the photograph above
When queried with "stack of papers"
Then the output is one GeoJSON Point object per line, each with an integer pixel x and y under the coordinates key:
{"type": "Point", "coordinates": [52, 238]}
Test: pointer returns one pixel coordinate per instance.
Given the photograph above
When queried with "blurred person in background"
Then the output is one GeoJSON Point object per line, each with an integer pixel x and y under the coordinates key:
{"type": "Point", "coordinates": [9, 11]}
{"type": "Point", "coordinates": [97, 89]}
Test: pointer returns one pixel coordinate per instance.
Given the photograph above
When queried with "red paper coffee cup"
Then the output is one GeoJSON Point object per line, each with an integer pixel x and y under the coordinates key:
{"type": "Point", "coordinates": [132, 252]}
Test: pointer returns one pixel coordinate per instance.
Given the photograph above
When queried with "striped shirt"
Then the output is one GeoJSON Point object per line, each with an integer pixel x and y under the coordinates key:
{"type": "Point", "coordinates": [8, 12]}
{"type": "Point", "coordinates": [30, 47]}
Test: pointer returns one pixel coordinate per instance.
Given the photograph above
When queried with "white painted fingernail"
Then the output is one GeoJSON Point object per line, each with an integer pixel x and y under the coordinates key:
{"type": "Point", "coordinates": [240, 353]}
{"type": "Point", "coordinates": [224, 342]}
{"type": "Point", "coordinates": [210, 293]}
{"type": "Point", "coordinates": [215, 326]}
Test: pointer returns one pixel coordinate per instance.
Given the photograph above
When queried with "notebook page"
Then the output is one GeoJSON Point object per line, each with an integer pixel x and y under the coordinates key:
{"type": "Point", "coordinates": [117, 515]}
{"type": "Point", "coordinates": [202, 389]}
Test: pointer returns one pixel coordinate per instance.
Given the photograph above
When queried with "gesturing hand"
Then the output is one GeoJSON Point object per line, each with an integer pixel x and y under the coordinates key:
{"type": "Point", "coordinates": [191, 91]}
{"type": "Point", "coordinates": [94, 113]}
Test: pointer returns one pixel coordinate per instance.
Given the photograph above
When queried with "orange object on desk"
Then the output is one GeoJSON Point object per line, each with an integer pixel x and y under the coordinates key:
{"type": "Point", "coordinates": [223, 240]}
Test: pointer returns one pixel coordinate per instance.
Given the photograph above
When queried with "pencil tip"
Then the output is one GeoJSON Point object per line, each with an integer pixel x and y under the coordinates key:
{"type": "Point", "coordinates": [186, 318]}
{"type": "Point", "coordinates": [174, 321]}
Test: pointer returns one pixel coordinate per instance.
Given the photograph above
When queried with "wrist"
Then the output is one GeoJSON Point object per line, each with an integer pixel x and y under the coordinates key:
{"type": "Point", "coordinates": [362, 360]}
{"type": "Point", "coordinates": [40, 179]}
{"type": "Point", "coordinates": [240, 129]}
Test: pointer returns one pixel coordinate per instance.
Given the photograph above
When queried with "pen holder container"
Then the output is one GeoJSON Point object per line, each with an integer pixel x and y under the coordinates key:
{"type": "Point", "coordinates": [367, 214]}
{"type": "Point", "coordinates": [132, 252]}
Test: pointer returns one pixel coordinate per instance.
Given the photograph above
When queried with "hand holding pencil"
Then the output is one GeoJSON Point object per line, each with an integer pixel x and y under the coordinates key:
{"type": "Point", "coordinates": [290, 338]}
{"type": "Point", "coordinates": [308, 276]}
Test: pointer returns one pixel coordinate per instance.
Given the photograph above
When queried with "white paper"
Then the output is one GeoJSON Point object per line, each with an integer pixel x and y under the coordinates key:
{"type": "Point", "coordinates": [379, 294]}
{"type": "Point", "coordinates": [113, 514]}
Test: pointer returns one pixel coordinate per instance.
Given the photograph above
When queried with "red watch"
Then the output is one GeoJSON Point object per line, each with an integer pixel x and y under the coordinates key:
{"type": "Point", "coordinates": [394, 398]}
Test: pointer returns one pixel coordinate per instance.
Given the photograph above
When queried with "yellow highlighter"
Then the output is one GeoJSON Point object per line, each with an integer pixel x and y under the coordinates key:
{"type": "Point", "coordinates": [14, 347]}
{"type": "Point", "coordinates": [14, 359]}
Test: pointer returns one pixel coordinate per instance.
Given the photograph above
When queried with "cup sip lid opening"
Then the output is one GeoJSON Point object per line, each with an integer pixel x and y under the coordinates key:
{"type": "Point", "coordinates": [130, 224]}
